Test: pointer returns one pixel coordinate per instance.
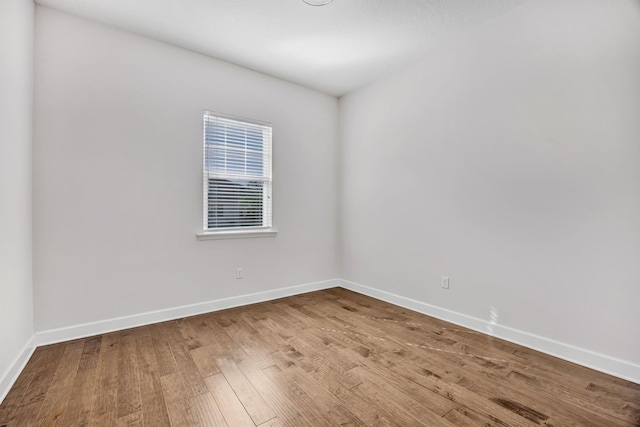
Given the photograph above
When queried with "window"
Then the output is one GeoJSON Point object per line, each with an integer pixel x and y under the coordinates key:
{"type": "Point", "coordinates": [237, 177]}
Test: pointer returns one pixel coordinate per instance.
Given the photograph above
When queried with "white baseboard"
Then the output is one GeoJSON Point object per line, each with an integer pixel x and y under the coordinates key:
{"type": "Point", "coordinates": [96, 328]}
{"type": "Point", "coordinates": [11, 375]}
{"type": "Point", "coordinates": [600, 362]}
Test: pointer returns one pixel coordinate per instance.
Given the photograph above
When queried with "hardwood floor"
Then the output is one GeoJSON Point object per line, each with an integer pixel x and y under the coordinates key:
{"type": "Point", "coordinates": [329, 358]}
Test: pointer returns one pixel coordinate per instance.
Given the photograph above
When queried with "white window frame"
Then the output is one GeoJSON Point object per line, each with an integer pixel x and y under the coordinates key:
{"type": "Point", "coordinates": [266, 229]}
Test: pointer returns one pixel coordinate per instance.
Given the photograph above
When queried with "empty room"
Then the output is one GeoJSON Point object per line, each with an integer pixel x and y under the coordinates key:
{"type": "Point", "coordinates": [319, 213]}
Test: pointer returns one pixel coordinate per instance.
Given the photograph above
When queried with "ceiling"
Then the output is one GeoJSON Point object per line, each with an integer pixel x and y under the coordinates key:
{"type": "Point", "coordinates": [334, 48]}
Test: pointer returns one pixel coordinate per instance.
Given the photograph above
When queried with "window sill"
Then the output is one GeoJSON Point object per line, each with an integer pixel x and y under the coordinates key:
{"type": "Point", "coordinates": [237, 234]}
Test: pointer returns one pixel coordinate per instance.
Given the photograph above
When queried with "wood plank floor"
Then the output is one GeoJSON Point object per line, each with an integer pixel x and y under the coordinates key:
{"type": "Point", "coordinates": [325, 358]}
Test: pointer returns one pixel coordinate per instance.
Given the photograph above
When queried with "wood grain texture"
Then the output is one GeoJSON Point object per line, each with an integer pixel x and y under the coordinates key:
{"type": "Point", "coordinates": [228, 402]}
{"type": "Point", "coordinates": [326, 358]}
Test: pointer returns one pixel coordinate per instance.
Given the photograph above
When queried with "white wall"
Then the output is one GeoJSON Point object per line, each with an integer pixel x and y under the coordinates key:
{"type": "Point", "coordinates": [16, 100]}
{"type": "Point", "coordinates": [509, 160]}
{"type": "Point", "coordinates": [118, 181]}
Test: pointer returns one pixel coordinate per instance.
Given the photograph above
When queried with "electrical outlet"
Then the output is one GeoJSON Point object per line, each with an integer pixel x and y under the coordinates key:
{"type": "Point", "coordinates": [444, 282]}
{"type": "Point", "coordinates": [238, 273]}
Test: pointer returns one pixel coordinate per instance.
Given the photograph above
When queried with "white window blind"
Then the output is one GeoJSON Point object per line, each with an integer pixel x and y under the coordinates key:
{"type": "Point", "coordinates": [237, 173]}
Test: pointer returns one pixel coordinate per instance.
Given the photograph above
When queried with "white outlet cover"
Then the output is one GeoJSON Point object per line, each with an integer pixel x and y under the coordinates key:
{"type": "Point", "coordinates": [444, 282]}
